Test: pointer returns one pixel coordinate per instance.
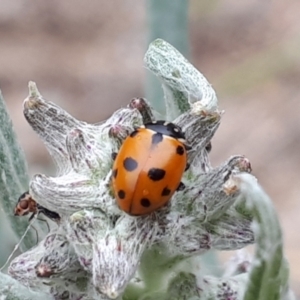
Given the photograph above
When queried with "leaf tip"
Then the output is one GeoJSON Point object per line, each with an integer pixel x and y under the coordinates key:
{"type": "Point", "coordinates": [33, 90]}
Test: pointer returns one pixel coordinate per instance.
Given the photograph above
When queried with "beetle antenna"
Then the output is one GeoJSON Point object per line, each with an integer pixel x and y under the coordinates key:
{"type": "Point", "coordinates": [19, 243]}
{"type": "Point", "coordinates": [47, 224]}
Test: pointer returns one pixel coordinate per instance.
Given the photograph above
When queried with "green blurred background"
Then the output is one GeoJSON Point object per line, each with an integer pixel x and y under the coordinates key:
{"type": "Point", "coordinates": [87, 56]}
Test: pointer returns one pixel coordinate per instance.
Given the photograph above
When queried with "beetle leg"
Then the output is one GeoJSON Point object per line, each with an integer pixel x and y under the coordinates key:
{"type": "Point", "coordinates": [180, 187]}
{"type": "Point", "coordinates": [187, 166]}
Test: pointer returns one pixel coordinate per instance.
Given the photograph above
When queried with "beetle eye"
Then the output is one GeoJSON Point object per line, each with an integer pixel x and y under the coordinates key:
{"type": "Point", "coordinates": [24, 204]}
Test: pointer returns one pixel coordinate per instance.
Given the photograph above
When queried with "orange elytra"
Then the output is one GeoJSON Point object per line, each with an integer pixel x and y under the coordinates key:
{"type": "Point", "coordinates": [149, 167]}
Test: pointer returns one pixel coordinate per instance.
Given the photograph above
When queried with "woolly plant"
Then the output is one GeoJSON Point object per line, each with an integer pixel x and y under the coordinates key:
{"type": "Point", "coordinates": [97, 251]}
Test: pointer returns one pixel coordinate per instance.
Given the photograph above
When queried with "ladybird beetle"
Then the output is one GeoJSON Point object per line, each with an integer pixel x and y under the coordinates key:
{"type": "Point", "coordinates": [26, 204]}
{"type": "Point", "coordinates": [149, 166]}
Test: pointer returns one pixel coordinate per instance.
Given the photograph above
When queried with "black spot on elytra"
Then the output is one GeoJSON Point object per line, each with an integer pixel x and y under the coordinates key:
{"type": "Point", "coordinates": [115, 173]}
{"type": "Point", "coordinates": [156, 174]}
{"type": "Point", "coordinates": [134, 133]}
{"type": "Point", "coordinates": [145, 202]}
{"type": "Point", "coordinates": [157, 138]}
{"type": "Point", "coordinates": [130, 164]}
{"type": "Point", "coordinates": [121, 194]}
{"type": "Point", "coordinates": [166, 192]}
{"type": "Point", "coordinates": [180, 150]}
